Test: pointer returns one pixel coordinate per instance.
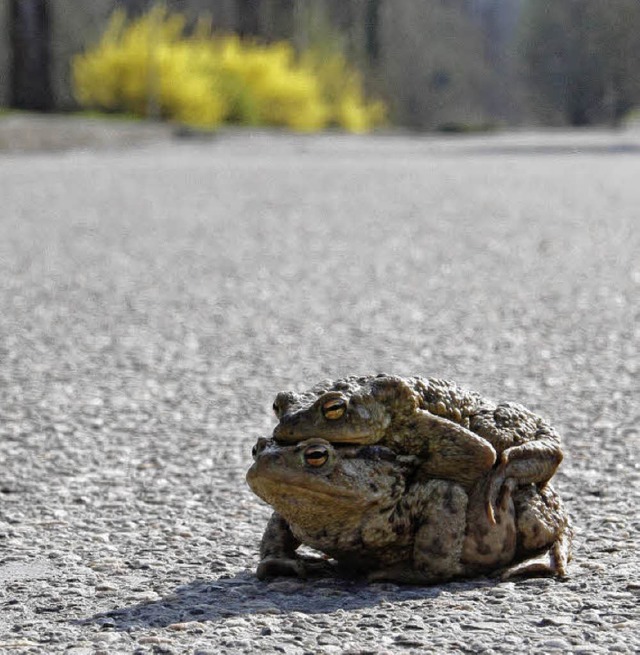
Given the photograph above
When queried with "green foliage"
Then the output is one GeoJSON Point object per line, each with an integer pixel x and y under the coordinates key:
{"type": "Point", "coordinates": [151, 66]}
{"type": "Point", "coordinates": [582, 58]}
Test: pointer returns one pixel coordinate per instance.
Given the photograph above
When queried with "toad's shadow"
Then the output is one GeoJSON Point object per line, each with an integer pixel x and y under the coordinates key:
{"type": "Point", "coordinates": [243, 594]}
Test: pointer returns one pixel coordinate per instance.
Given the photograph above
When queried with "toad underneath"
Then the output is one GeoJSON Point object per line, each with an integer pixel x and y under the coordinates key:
{"type": "Point", "coordinates": [370, 510]}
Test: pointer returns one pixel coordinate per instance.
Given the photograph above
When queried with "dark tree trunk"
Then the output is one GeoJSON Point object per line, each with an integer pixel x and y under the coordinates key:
{"type": "Point", "coordinates": [372, 19]}
{"type": "Point", "coordinates": [281, 20]}
{"type": "Point", "coordinates": [30, 41]}
{"type": "Point", "coordinates": [248, 17]}
{"type": "Point", "coordinates": [135, 7]}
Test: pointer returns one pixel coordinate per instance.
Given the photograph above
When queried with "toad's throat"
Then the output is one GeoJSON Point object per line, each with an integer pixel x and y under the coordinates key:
{"type": "Point", "coordinates": [291, 490]}
{"type": "Point", "coordinates": [299, 491]}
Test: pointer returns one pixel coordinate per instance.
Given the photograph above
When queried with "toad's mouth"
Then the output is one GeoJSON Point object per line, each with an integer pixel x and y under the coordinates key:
{"type": "Point", "coordinates": [298, 489]}
{"type": "Point", "coordinates": [292, 430]}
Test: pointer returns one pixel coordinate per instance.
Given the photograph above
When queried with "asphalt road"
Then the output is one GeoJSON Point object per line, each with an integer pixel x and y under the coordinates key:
{"type": "Point", "coordinates": [153, 301]}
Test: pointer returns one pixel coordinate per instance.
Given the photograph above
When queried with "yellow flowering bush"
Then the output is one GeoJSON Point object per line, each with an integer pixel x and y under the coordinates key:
{"type": "Point", "coordinates": [150, 66]}
{"type": "Point", "coordinates": [343, 92]}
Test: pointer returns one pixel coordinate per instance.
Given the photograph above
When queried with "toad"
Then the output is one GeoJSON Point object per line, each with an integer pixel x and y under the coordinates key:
{"type": "Point", "coordinates": [365, 507]}
{"type": "Point", "coordinates": [457, 434]}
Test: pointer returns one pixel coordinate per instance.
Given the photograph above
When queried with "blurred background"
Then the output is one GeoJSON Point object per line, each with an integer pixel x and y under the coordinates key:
{"type": "Point", "coordinates": [450, 65]}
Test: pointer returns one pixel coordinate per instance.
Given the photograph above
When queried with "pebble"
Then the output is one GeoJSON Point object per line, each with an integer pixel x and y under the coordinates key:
{"type": "Point", "coordinates": [106, 586]}
{"type": "Point", "coordinates": [556, 620]}
{"type": "Point", "coordinates": [154, 640]}
{"type": "Point", "coordinates": [179, 627]}
{"type": "Point", "coordinates": [11, 644]}
{"type": "Point", "coordinates": [556, 644]}
{"type": "Point", "coordinates": [107, 637]}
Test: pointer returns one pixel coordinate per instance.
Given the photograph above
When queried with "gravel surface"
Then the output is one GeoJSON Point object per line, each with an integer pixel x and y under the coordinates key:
{"type": "Point", "coordinates": [154, 300]}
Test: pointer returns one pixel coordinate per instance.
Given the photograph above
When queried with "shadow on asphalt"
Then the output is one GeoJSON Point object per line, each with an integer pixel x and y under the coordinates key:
{"type": "Point", "coordinates": [241, 595]}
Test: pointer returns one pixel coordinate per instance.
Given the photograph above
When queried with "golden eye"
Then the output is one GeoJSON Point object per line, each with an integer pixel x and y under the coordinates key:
{"type": "Point", "coordinates": [334, 408]}
{"type": "Point", "coordinates": [316, 455]}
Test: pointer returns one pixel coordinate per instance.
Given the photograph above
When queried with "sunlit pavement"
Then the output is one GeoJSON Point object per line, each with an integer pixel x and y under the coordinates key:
{"type": "Point", "coordinates": [154, 300]}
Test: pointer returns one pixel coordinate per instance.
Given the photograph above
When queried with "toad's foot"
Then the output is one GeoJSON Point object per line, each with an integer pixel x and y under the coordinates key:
{"type": "Point", "coordinates": [293, 567]}
{"type": "Point", "coordinates": [551, 562]}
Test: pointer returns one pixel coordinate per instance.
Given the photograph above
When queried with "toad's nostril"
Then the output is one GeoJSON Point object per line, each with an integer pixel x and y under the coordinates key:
{"type": "Point", "coordinates": [284, 433]}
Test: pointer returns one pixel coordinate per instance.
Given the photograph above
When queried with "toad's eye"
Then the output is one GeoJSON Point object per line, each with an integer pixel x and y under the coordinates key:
{"type": "Point", "coordinates": [316, 456]}
{"type": "Point", "coordinates": [334, 408]}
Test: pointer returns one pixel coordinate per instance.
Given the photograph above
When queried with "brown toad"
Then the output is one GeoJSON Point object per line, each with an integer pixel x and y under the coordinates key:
{"type": "Point", "coordinates": [456, 433]}
{"type": "Point", "coordinates": [365, 507]}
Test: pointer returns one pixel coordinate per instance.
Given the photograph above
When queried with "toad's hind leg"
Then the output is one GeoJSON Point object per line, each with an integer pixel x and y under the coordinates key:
{"type": "Point", "coordinates": [438, 510]}
{"type": "Point", "coordinates": [441, 529]}
{"type": "Point", "coordinates": [490, 543]}
{"type": "Point", "coordinates": [544, 533]}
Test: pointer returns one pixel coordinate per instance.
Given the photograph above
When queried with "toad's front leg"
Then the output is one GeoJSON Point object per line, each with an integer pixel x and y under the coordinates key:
{"type": "Point", "coordinates": [278, 554]}
{"type": "Point", "coordinates": [448, 450]}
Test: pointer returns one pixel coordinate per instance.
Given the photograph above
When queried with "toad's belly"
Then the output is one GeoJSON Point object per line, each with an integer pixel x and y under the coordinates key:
{"type": "Point", "coordinates": [357, 547]}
